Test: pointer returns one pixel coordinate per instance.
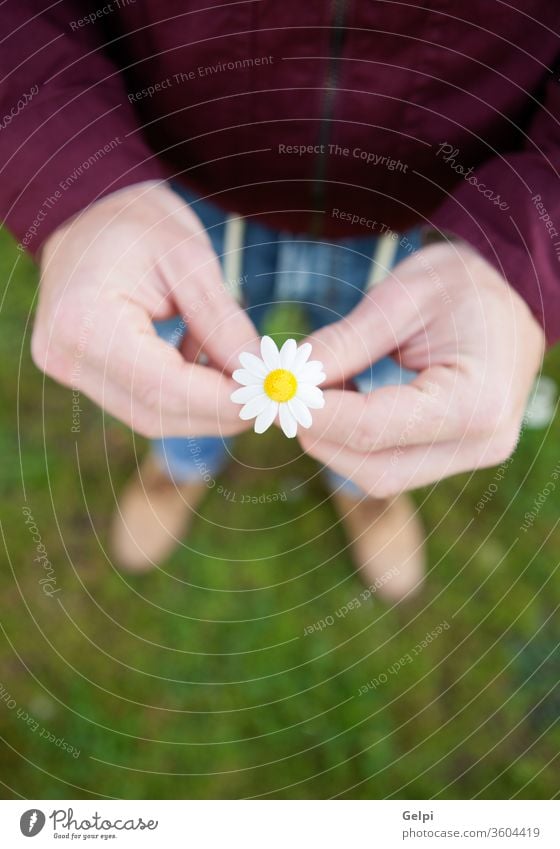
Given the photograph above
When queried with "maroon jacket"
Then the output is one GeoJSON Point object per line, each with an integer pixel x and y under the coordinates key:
{"type": "Point", "coordinates": [332, 117]}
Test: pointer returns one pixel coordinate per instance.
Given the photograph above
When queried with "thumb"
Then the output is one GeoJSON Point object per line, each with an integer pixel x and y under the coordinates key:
{"type": "Point", "coordinates": [209, 305]}
{"type": "Point", "coordinates": [384, 319]}
{"type": "Point", "coordinates": [219, 324]}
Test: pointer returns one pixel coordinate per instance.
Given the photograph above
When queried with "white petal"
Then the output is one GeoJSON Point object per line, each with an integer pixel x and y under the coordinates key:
{"type": "Point", "coordinates": [302, 355]}
{"type": "Point", "coordinates": [247, 378]}
{"type": "Point", "coordinates": [312, 373]}
{"type": "Point", "coordinates": [269, 353]}
{"type": "Point", "coordinates": [310, 395]}
{"type": "Point", "coordinates": [300, 412]}
{"type": "Point", "coordinates": [287, 353]}
{"type": "Point", "coordinates": [312, 365]}
{"type": "Point", "coordinates": [253, 364]}
{"type": "Point", "coordinates": [254, 407]}
{"type": "Point", "coordinates": [245, 393]}
{"type": "Point", "coordinates": [265, 419]}
{"type": "Point", "coordinates": [288, 422]}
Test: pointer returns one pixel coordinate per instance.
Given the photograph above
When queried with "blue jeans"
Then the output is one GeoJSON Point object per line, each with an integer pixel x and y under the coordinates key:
{"type": "Point", "coordinates": [325, 278]}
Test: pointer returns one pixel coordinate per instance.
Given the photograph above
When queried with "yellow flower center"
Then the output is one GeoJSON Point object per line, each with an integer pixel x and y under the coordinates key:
{"type": "Point", "coordinates": [280, 385]}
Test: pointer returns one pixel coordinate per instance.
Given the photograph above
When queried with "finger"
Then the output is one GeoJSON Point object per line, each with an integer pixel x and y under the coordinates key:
{"type": "Point", "coordinates": [153, 422]}
{"type": "Point", "coordinates": [385, 317]}
{"type": "Point", "coordinates": [127, 353]}
{"type": "Point", "coordinates": [204, 299]}
{"type": "Point", "coordinates": [192, 351]}
{"type": "Point", "coordinates": [416, 413]}
{"type": "Point", "coordinates": [385, 474]}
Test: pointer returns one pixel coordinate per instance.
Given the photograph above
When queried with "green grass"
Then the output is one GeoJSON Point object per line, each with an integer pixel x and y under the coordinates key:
{"type": "Point", "coordinates": [197, 681]}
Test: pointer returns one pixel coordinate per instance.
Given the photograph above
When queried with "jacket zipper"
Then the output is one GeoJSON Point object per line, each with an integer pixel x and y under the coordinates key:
{"type": "Point", "coordinates": [336, 43]}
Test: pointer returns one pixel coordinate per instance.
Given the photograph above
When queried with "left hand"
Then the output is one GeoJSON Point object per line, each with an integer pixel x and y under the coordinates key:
{"type": "Point", "coordinates": [449, 315]}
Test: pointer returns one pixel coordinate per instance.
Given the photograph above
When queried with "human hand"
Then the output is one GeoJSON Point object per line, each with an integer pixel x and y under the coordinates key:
{"type": "Point", "coordinates": [136, 256]}
{"type": "Point", "coordinates": [450, 316]}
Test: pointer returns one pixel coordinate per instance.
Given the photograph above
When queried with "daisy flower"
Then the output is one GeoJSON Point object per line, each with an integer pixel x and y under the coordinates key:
{"type": "Point", "coordinates": [283, 383]}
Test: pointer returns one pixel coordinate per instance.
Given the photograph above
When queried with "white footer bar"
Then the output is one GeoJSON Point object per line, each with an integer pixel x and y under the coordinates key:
{"type": "Point", "coordinates": [281, 824]}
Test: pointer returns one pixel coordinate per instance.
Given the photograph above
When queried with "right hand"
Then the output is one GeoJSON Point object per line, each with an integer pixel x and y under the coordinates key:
{"type": "Point", "coordinates": [136, 256]}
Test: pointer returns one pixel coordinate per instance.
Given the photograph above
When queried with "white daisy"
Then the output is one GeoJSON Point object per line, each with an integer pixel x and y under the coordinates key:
{"type": "Point", "coordinates": [283, 383]}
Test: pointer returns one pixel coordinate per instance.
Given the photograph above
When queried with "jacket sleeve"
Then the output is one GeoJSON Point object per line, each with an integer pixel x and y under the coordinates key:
{"type": "Point", "coordinates": [509, 210]}
{"type": "Point", "coordinates": [68, 135]}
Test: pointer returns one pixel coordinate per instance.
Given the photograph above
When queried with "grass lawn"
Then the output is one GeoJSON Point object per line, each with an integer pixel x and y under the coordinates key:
{"type": "Point", "coordinates": [200, 681]}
